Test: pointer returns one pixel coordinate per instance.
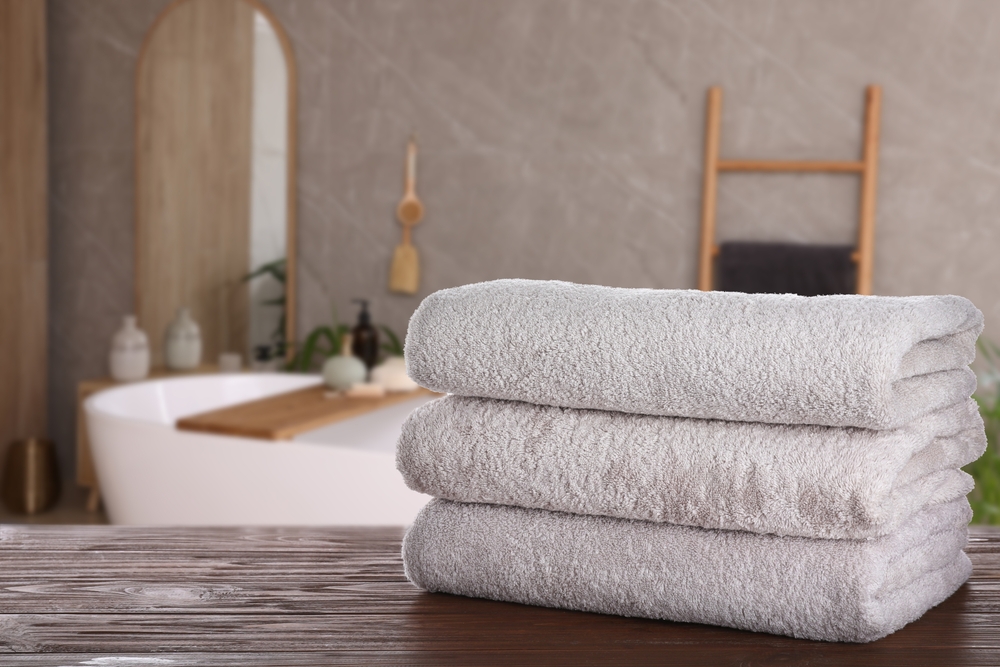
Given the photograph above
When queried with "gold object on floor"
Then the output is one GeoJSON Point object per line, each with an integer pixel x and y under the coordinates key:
{"type": "Point", "coordinates": [30, 476]}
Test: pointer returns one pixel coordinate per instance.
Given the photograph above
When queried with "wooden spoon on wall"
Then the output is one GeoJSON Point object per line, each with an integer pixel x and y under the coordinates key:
{"type": "Point", "coordinates": [404, 276]}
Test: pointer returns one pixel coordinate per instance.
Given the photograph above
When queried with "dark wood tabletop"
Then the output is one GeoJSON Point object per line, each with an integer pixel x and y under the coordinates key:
{"type": "Point", "coordinates": [122, 596]}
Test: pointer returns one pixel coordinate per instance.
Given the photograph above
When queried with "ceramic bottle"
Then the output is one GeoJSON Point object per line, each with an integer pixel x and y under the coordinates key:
{"type": "Point", "coordinates": [129, 357]}
{"type": "Point", "coordinates": [345, 370]}
{"type": "Point", "coordinates": [183, 343]}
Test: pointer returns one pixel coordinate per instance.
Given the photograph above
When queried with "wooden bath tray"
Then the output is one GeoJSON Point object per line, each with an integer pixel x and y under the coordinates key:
{"type": "Point", "coordinates": [284, 416]}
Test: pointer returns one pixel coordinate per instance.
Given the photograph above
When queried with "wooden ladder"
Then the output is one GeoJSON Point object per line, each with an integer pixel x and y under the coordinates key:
{"type": "Point", "coordinates": [866, 167]}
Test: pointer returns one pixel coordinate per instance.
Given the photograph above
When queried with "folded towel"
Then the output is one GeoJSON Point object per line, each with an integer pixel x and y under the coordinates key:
{"type": "Point", "coordinates": [813, 481]}
{"type": "Point", "coordinates": [835, 590]}
{"type": "Point", "coordinates": [787, 268]}
{"type": "Point", "coordinates": [847, 360]}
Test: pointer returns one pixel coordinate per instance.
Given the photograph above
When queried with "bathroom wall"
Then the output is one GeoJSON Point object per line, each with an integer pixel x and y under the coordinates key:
{"type": "Point", "coordinates": [559, 139]}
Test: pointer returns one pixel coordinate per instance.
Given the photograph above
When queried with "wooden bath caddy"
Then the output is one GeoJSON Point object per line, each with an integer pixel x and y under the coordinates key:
{"type": "Point", "coordinates": [284, 416]}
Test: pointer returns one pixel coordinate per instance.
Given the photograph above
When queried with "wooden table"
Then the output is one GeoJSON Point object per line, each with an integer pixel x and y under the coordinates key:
{"type": "Point", "coordinates": [70, 595]}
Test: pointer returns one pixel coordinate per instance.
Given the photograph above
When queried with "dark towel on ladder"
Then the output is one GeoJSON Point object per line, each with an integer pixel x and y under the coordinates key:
{"type": "Point", "coordinates": [786, 268]}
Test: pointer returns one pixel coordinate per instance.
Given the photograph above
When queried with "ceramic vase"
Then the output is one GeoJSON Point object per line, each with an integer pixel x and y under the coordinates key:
{"type": "Point", "coordinates": [345, 370]}
{"type": "Point", "coordinates": [183, 344]}
{"type": "Point", "coordinates": [128, 360]}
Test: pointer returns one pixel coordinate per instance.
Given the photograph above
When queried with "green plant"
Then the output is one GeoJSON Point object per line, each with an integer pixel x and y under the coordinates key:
{"type": "Point", "coordinates": [324, 341]}
{"type": "Point", "coordinates": [985, 498]}
{"type": "Point", "coordinates": [392, 347]}
{"type": "Point", "coordinates": [277, 270]}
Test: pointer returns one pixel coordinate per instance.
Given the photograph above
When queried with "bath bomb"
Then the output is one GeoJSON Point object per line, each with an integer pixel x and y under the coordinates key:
{"type": "Point", "coordinates": [391, 374]}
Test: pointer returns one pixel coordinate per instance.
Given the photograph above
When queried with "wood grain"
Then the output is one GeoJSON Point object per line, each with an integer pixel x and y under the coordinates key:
{"type": "Point", "coordinates": [869, 183]}
{"type": "Point", "coordinates": [284, 416]}
{"type": "Point", "coordinates": [867, 168]}
{"type": "Point", "coordinates": [709, 196]}
{"type": "Point", "coordinates": [404, 272]}
{"type": "Point", "coordinates": [86, 472]}
{"type": "Point", "coordinates": [836, 166]}
{"type": "Point", "coordinates": [23, 221]}
{"type": "Point", "coordinates": [193, 124]}
{"type": "Point", "coordinates": [193, 164]}
{"type": "Point", "coordinates": [315, 596]}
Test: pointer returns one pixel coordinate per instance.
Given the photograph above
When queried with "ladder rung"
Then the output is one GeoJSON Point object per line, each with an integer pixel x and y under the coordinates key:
{"type": "Point", "coordinates": [855, 256]}
{"type": "Point", "coordinates": [791, 165]}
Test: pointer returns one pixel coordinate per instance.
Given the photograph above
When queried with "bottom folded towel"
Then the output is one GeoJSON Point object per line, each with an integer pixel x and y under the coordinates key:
{"type": "Point", "coordinates": [833, 590]}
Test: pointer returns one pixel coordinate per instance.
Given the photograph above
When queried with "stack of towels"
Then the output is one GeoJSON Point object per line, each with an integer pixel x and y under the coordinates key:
{"type": "Point", "coordinates": [767, 462]}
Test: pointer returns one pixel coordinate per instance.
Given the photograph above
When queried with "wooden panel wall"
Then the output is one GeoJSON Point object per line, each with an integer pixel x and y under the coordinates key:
{"type": "Point", "coordinates": [193, 141]}
{"type": "Point", "coordinates": [23, 221]}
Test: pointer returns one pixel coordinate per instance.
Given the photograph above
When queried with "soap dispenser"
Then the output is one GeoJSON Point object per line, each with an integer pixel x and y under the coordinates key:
{"type": "Point", "coordinates": [365, 337]}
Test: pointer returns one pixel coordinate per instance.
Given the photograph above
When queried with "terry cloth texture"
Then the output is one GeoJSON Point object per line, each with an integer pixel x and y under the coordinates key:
{"type": "Point", "coordinates": [846, 360]}
{"type": "Point", "coordinates": [834, 590]}
{"type": "Point", "coordinates": [787, 268]}
{"type": "Point", "coordinates": [813, 481]}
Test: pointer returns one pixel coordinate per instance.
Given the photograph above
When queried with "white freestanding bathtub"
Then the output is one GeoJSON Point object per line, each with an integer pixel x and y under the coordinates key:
{"type": "Point", "coordinates": [151, 473]}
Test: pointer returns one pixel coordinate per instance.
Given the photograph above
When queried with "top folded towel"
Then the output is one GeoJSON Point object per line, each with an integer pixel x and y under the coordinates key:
{"type": "Point", "coordinates": [845, 360]}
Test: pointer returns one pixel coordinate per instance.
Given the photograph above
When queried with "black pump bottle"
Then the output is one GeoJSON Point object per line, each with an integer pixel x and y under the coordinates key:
{"type": "Point", "coordinates": [365, 337]}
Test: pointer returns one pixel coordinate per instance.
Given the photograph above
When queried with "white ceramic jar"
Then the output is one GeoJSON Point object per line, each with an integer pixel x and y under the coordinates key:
{"type": "Point", "coordinates": [183, 343]}
{"type": "Point", "coordinates": [128, 360]}
{"type": "Point", "coordinates": [343, 371]}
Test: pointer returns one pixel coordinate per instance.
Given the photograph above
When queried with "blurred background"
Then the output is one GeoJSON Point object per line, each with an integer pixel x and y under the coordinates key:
{"type": "Point", "coordinates": [556, 140]}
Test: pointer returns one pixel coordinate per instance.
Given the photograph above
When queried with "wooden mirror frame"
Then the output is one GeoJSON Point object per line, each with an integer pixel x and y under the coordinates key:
{"type": "Point", "coordinates": [291, 224]}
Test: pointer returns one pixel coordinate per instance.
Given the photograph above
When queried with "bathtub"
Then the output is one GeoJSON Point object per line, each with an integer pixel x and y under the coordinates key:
{"type": "Point", "coordinates": [151, 473]}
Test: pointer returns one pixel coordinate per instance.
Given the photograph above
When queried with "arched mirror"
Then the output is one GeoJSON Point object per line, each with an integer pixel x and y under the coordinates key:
{"type": "Point", "coordinates": [215, 168]}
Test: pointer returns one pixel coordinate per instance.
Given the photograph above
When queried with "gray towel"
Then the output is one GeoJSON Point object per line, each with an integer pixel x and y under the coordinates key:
{"type": "Point", "coordinates": [836, 590]}
{"type": "Point", "coordinates": [786, 268]}
{"type": "Point", "coordinates": [814, 481]}
{"type": "Point", "coordinates": [847, 360]}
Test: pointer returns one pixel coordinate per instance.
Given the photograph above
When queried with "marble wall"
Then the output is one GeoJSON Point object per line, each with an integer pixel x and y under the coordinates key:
{"type": "Point", "coordinates": [559, 139]}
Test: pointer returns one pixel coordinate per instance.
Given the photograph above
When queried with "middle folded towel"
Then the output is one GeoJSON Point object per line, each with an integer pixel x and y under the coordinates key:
{"type": "Point", "coordinates": [810, 481]}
